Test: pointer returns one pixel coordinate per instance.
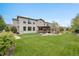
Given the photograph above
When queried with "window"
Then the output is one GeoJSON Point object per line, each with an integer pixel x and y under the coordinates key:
{"type": "Point", "coordinates": [24, 22]}
{"type": "Point", "coordinates": [24, 28]}
{"type": "Point", "coordinates": [33, 22]}
{"type": "Point", "coordinates": [44, 24]}
{"type": "Point", "coordinates": [17, 26]}
{"type": "Point", "coordinates": [33, 28]}
{"type": "Point", "coordinates": [29, 22]}
{"type": "Point", "coordinates": [29, 28]}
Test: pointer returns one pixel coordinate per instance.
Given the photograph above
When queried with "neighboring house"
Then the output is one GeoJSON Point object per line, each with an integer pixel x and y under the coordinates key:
{"type": "Point", "coordinates": [29, 25]}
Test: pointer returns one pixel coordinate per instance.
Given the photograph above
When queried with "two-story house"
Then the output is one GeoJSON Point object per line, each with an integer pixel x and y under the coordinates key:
{"type": "Point", "coordinates": [29, 25]}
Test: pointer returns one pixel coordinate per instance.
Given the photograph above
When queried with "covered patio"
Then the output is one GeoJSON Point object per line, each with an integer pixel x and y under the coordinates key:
{"type": "Point", "coordinates": [44, 29]}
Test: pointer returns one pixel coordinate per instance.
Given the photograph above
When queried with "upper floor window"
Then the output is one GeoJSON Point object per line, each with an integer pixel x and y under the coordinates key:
{"type": "Point", "coordinates": [24, 22]}
{"type": "Point", "coordinates": [29, 22]}
{"type": "Point", "coordinates": [33, 22]}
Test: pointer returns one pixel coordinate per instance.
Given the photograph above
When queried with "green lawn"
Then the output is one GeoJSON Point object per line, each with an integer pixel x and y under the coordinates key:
{"type": "Point", "coordinates": [37, 45]}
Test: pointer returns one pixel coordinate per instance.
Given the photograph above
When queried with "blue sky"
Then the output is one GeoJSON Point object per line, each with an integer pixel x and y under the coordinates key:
{"type": "Point", "coordinates": [61, 13]}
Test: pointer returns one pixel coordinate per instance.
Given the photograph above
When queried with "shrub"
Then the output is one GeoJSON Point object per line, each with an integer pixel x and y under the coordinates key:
{"type": "Point", "coordinates": [7, 29]}
{"type": "Point", "coordinates": [7, 43]}
{"type": "Point", "coordinates": [61, 29]}
{"type": "Point", "coordinates": [76, 30]}
{"type": "Point", "coordinates": [13, 29]}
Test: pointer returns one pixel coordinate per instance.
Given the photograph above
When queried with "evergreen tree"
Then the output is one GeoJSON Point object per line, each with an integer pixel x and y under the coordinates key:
{"type": "Point", "coordinates": [75, 24]}
{"type": "Point", "coordinates": [2, 23]}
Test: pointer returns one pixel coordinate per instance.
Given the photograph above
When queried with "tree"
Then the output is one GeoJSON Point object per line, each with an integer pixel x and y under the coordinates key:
{"type": "Point", "coordinates": [61, 29]}
{"type": "Point", "coordinates": [14, 29]}
{"type": "Point", "coordinates": [7, 28]}
{"type": "Point", "coordinates": [55, 27]}
{"type": "Point", "coordinates": [10, 28]}
{"type": "Point", "coordinates": [68, 29]}
{"type": "Point", "coordinates": [2, 23]}
{"type": "Point", "coordinates": [75, 24]}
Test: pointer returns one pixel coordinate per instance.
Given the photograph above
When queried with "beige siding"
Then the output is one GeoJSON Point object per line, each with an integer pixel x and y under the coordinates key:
{"type": "Point", "coordinates": [19, 24]}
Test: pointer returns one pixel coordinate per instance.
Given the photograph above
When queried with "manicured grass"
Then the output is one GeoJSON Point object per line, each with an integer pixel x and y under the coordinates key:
{"type": "Point", "coordinates": [37, 45]}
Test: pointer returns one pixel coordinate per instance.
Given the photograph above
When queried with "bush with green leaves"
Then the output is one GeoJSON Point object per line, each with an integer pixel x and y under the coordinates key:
{"type": "Point", "coordinates": [7, 42]}
{"type": "Point", "coordinates": [14, 29]}
{"type": "Point", "coordinates": [75, 24]}
{"type": "Point", "coordinates": [7, 28]}
{"type": "Point", "coordinates": [77, 30]}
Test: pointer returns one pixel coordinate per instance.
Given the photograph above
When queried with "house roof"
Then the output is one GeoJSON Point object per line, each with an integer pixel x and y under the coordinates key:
{"type": "Point", "coordinates": [15, 19]}
{"type": "Point", "coordinates": [43, 26]}
{"type": "Point", "coordinates": [28, 18]}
